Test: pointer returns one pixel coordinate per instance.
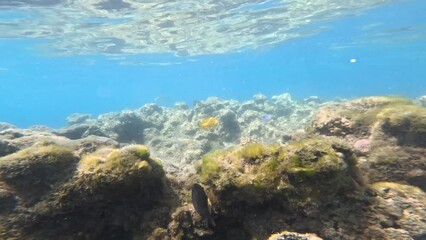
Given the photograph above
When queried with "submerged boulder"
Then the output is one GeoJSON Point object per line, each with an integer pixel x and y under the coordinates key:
{"type": "Point", "coordinates": [78, 118]}
{"type": "Point", "coordinates": [294, 236]}
{"type": "Point", "coordinates": [397, 213]}
{"type": "Point", "coordinates": [34, 171]}
{"type": "Point", "coordinates": [46, 191]}
{"type": "Point", "coordinates": [256, 189]}
{"type": "Point", "coordinates": [311, 185]}
{"type": "Point", "coordinates": [388, 132]}
{"type": "Point", "coordinates": [4, 126]}
{"type": "Point", "coordinates": [395, 117]}
{"type": "Point", "coordinates": [255, 173]}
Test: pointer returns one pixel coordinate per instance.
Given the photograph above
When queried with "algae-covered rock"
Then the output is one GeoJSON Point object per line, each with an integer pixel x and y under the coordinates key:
{"type": "Point", "coordinates": [6, 148]}
{"type": "Point", "coordinates": [294, 236]}
{"type": "Point", "coordinates": [78, 118]}
{"type": "Point", "coordinates": [390, 132]}
{"type": "Point", "coordinates": [387, 162]}
{"type": "Point", "coordinates": [407, 124]}
{"type": "Point", "coordinates": [110, 193]}
{"type": "Point", "coordinates": [398, 206]}
{"type": "Point", "coordinates": [311, 170]}
{"type": "Point", "coordinates": [103, 196]}
{"type": "Point", "coordinates": [34, 171]}
{"type": "Point", "coordinates": [357, 116]}
{"type": "Point", "coordinates": [4, 126]}
{"type": "Point", "coordinates": [258, 189]}
{"type": "Point", "coordinates": [186, 224]}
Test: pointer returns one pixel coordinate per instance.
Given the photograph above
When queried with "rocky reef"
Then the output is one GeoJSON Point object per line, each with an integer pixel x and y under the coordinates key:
{"type": "Point", "coordinates": [272, 169]}
{"type": "Point", "coordinates": [174, 134]}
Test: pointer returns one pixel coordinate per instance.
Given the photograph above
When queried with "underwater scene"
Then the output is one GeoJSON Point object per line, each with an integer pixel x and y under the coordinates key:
{"type": "Point", "coordinates": [213, 119]}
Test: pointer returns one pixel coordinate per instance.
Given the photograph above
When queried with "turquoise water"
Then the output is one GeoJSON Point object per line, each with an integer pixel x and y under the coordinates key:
{"type": "Point", "coordinates": [57, 59]}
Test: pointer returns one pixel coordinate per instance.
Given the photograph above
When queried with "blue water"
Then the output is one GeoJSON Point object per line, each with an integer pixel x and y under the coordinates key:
{"type": "Point", "coordinates": [38, 87]}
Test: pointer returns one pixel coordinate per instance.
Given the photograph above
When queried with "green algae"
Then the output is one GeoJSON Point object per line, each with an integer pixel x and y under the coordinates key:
{"type": "Point", "coordinates": [407, 124]}
{"type": "Point", "coordinates": [253, 151]}
{"type": "Point", "coordinates": [374, 109]}
{"type": "Point", "coordinates": [35, 170]}
{"type": "Point", "coordinates": [119, 163]}
{"type": "Point", "coordinates": [112, 188]}
{"type": "Point", "coordinates": [210, 168]}
{"type": "Point", "coordinates": [301, 172]}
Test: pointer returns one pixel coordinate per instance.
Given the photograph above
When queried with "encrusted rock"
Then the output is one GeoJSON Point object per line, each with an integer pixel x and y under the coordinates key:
{"type": "Point", "coordinates": [78, 118]}
{"type": "Point", "coordinates": [4, 126]}
{"type": "Point", "coordinates": [46, 193]}
{"type": "Point", "coordinates": [294, 236]}
{"type": "Point", "coordinates": [389, 131]}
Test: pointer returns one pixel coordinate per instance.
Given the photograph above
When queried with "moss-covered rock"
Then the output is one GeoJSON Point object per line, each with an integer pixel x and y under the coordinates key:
{"type": "Point", "coordinates": [187, 224]}
{"type": "Point", "coordinates": [389, 132]}
{"type": "Point", "coordinates": [112, 190]}
{"type": "Point", "coordinates": [34, 171]}
{"type": "Point", "coordinates": [311, 170]}
{"type": "Point", "coordinates": [398, 206]}
{"type": "Point", "coordinates": [359, 116]}
{"type": "Point", "coordinates": [387, 162]}
{"type": "Point", "coordinates": [257, 189]}
{"type": "Point", "coordinates": [103, 196]}
{"type": "Point", "coordinates": [293, 236]}
{"type": "Point", "coordinates": [407, 123]}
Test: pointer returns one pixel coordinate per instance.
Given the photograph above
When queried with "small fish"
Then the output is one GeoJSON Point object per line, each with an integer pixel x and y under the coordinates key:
{"type": "Point", "coordinates": [266, 118]}
{"type": "Point", "coordinates": [201, 205]}
{"type": "Point", "coordinates": [209, 123]}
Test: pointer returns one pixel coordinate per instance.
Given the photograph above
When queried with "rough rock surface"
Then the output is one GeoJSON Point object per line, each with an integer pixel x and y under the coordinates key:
{"type": "Point", "coordinates": [358, 172]}
{"type": "Point", "coordinates": [174, 134]}
{"type": "Point", "coordinates": [389, 134]}
{"type": "Point", "coordinates": [294, 236]}
{"type": "Point", "coordinates": [48, 192]}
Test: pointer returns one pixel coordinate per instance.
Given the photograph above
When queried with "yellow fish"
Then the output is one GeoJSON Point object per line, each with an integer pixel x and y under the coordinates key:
{"type": "Point", "coordinates": [209, 123]}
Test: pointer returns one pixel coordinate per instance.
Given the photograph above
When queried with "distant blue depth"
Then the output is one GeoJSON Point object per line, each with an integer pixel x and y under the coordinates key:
{"type": "Point", "coordinates": [38, 89]}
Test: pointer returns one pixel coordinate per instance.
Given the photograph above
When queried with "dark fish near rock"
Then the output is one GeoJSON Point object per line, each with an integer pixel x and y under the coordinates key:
{"type": "Point", "coordinates": [201, 205]}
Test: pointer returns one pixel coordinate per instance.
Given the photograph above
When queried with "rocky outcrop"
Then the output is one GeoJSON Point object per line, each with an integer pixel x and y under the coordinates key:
{"type": "Point", "coordinates": [174, 133]}
{"type": "Point", "coordinates": [47, 191]}
{"type": "Point", "coordinates": [251, 185]}
{"type": "Point", "coordinates": [388, 132]}
{"type": "Point", "coordinates": [294, 236]}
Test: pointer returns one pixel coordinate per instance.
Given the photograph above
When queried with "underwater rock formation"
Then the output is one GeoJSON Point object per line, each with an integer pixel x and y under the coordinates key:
{"type": "Point", "coordinates": [4, 126]}
{"type": "Point", "coordinates": [389, 132]}
{"type": "Point", "coordinates": [34, 171]}
{"type": "Point", "coordinates": [311, 185]}
{"type": "Point", "coordinates": [174, 134]}
{"type": "Point", "coordinates": [294, 236]}
{"type": "Point", "coordinates": [78, 118]}
{"type": "Point", "coordinates": [255, 173]}
{"type": "Point", "coordinates": [255, 181]}
{"type": "Point", "coordinates": [47, 191]}
{"type": "Point", "coordinates": [356, 170]}
{"type": "Point", "coordinates": [422, 100]}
